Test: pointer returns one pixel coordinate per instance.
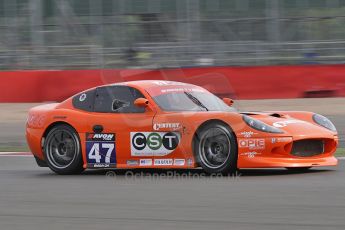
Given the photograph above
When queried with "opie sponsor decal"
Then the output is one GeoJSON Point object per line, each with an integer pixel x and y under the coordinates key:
{"type": "Point", "coordinates": [252, 143]}
{"type": "Point", "coordinates": [153, 143]}
{"type": "Point", "coordinates": [100, 150]}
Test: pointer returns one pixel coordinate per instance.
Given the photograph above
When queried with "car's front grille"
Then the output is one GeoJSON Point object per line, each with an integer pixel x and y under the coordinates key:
{"type": "Point", "coordinates": [307, 148]}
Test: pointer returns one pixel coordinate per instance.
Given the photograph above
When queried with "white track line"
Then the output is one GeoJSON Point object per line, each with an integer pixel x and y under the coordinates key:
{"type": "Point", "coordinates": [15, 154]}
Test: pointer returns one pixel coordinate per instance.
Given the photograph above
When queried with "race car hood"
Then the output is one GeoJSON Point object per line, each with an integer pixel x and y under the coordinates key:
{"type": "Point", "coordinates": [291, 125]}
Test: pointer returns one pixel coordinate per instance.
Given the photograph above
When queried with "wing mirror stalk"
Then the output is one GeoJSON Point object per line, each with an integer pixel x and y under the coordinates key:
{"type": "Point", "coordinates": [143, 103]}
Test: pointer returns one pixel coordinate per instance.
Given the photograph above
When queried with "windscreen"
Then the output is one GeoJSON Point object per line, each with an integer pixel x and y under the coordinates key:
{"type": "Point", "coordinates": [187, 98]}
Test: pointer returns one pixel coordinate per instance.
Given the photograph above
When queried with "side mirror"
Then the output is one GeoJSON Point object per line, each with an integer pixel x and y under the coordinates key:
{"type": "Point", "coordinates": [141, 102]}
{"type": "Point", "coordinates": [228, 101]}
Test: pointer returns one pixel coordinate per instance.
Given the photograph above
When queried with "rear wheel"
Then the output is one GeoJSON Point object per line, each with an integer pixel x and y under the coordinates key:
{"type": "Point", "coordinates": [62, 150]}
{"type": "Point", "coordinates": [216, 149]}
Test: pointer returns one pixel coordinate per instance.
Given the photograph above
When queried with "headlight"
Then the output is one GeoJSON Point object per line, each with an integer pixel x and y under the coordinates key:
{"type": "Point", "coordinates": [324, 122]}
{"type": "Point", "coordinates": [261, 126]}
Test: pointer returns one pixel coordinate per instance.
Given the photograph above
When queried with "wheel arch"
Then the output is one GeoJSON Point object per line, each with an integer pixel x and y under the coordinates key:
{"type": "Point", "coordinates": [50, 127]}
{"type": "Point", "coordinates": [212, 121]}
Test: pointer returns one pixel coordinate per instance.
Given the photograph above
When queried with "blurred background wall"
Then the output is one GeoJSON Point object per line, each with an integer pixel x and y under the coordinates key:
{"type": "Point", "coordinates": [89, 34]}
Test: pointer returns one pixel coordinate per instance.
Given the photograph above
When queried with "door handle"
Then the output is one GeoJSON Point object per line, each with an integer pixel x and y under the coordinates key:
{"type": "Point", "coordinates": [97, 128]}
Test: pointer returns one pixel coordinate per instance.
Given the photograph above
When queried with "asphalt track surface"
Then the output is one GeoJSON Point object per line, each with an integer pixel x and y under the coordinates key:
{"type": "Point", "coordinates": [35, 198]}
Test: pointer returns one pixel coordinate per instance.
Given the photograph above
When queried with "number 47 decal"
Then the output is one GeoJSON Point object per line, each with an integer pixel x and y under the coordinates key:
{"type": "Point", "coordinates": [94, 153]}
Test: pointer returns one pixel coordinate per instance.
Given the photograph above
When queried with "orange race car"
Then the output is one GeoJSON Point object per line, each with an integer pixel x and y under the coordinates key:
{"type": "Point", "coordinates": [164, 124]}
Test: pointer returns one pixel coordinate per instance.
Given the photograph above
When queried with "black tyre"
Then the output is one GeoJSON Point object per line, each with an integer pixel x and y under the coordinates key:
{"type": "Point", "coordinates": [62, 150]}
{"type": "Point", "coordinates": [299, 169]}
{"type": "Point", "coordinates": [215, 149]}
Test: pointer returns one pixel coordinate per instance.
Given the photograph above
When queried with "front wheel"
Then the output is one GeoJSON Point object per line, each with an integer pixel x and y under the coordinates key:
{"type": "Point", "coordinates": [215, 149]}
{"type": "Point", "coordinates": [62, 150]}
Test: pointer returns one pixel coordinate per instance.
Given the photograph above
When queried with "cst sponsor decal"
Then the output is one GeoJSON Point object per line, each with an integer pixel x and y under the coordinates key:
{"type": "Point", "coordinates": [172, 126]}
{"type": "Point", "coordinates": [281, 124]}
{"type": "Point", "coordinates": [250, 154]}
{"type": "Point", "coordinates": [145, 162]}
{"type": "Point", "coordinates": [132, 162]}
{"type": "Point", "coordinates": [154, 143]}
{"type": "Point", "coordinates": [247, 134]}
{"type": "Point", "coordinates": [179, 162]}
{"type": "Point", "coordinates": [252, 143]}
{"type": "Point", "coordinates": [162, 162]}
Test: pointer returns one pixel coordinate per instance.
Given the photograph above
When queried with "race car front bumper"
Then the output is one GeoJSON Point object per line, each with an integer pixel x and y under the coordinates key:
{"type": "Point", "coordinates": [286, 152]}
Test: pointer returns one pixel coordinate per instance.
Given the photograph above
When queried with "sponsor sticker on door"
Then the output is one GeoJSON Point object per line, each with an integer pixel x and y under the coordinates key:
{"type": "Point", "coordinates": [132, 163]}
{"type": "Point", "coordinates": [145, 162]}
{"type": "Point", "coordinates": [179, 162]}
{"type": "Point", "coordinates": [170, 126]}
{"type": "Point", "coordinates": [100, 150]}
{"type": "Point", "coordinates": [162, 162]}
{"type": "Point", "coordinates": [154, 143]}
